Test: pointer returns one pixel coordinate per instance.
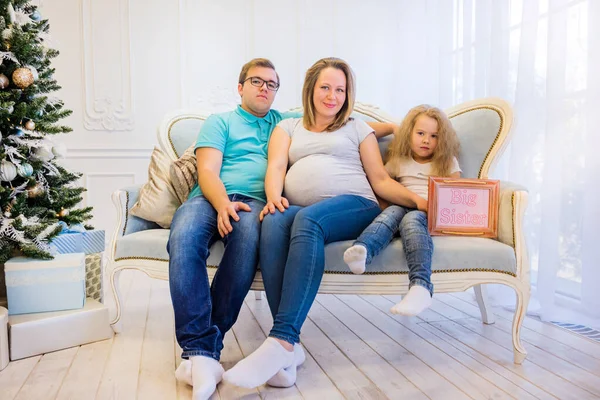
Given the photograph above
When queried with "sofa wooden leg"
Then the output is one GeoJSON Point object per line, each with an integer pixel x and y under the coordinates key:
{"type": "Point", "coordinates": [487, 316]}
{"type": "Point", "coordinates": [258, 295]}
{"type": "Point", "coordinates": [114, 285]}
{"type": "Point", "coordinates": [520, 312]}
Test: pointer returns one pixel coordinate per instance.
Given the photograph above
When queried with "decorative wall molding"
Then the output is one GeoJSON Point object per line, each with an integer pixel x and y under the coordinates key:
{"type": "Point", "coordinates": [182, 53]}
{"type": "Point", "coordinates": [127, 154]}
{"type": "Point", "coordinates": [109, 108]}
{"type": "Point", "coordinates": [89, 177]}
{"type": "Point", "coordinates": [217, 99]}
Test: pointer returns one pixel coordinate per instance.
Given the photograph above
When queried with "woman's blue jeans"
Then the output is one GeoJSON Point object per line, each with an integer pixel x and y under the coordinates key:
{"type": "Point", "coordinates": [292, 254]}
{"type": "Point", "coordinates": [204, 313]}
{"type": "Point", "coordinates": [417, 243]}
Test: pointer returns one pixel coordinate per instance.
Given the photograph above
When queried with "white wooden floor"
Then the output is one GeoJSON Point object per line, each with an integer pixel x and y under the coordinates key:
{"type": "Point", "coordinates": [355, 349]}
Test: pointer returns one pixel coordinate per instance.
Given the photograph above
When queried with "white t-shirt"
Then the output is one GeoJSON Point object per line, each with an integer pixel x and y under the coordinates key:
{"type": "Point", "coordinates": [325, 164]}
{"type": "Point", "coordinates": [415, 176]}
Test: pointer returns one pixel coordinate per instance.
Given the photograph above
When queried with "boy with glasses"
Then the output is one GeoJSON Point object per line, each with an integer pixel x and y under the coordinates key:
{"type": "Point", "coordinates": [231, 153]}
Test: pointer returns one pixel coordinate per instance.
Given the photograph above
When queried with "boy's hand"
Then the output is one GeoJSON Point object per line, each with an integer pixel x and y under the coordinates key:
{"type": "Point", "coordinates": [229, 210]}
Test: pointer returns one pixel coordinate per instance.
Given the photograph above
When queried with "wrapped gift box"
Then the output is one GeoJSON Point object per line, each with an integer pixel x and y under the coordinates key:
{"type": "Point", "coordinates": [3, 338]}
{"type": "Point", "coordinates": [93, 276]}
{"type": "Point", "coordinates": [33, 334]}
{"type": "Point", "coordinates": [34, 286]}
{"type": "Point", "coordinates": [87, 242]}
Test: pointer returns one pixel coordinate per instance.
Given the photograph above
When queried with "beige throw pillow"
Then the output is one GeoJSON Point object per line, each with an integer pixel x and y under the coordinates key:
{"type": "Point", "coordinates": [157, 201]}
{"type": "Point", "coordinates": [184, 174]}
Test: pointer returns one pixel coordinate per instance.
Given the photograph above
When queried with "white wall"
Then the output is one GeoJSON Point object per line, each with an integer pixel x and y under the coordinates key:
{"type": "Point", "coordinates": [125, 63]}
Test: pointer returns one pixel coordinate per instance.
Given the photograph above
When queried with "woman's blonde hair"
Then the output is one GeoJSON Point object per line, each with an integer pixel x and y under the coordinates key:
{"type": "Point", "coordinates": [312, 75]}
{"type": "Point", "coordinates": [447, 147]}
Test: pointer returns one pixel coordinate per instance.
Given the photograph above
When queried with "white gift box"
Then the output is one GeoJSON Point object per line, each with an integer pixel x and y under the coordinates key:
{"type": "Point", "coordinates": [34, 286]}
{"type": "Point", "coordinates": [3, 338]}
{"type": "Point", "coordinates": [32, 334]}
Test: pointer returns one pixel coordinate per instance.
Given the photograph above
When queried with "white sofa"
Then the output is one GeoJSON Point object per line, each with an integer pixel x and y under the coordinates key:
{"type": "Point", "coordinates": [483, 127]}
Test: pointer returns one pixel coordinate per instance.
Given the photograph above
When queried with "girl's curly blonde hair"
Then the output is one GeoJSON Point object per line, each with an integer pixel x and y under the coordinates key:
{"type": "Point", "coordinates": [447, 147]}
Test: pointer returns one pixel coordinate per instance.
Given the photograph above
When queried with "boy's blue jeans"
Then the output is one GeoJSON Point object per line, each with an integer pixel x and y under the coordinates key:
{"type": "Point", "coordinates": [204, 313]}
{"type": "Point", "coordinates": [417, 243]}
{"type": "Point", "coordinates": [292, 254]}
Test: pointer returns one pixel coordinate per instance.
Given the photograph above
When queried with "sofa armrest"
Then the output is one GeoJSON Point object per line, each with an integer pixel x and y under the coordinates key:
{"type": "Point", "coordinates": [124, 199]}
{"type": "Point", "coordinates": [512, 205]}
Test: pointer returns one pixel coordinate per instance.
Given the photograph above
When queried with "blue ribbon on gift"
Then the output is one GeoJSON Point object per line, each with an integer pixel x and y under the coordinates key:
{"type": "Point", "coordinates": [75, 228]}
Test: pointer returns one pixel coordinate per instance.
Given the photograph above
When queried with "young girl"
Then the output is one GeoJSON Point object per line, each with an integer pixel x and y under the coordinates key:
{"type": "Point", "coordinates": [425, 145]}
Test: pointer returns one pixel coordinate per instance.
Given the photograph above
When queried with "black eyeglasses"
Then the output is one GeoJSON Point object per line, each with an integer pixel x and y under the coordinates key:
{"type": "Point", "coordinates": [259, 82]}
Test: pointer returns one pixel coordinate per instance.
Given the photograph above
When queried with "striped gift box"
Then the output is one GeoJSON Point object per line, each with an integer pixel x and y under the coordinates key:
{"type": "Point", "coordinates": [93, 241]}
{"type": "Point", "coordinates": [87, 242]}
{"type": "Point", "coordinates": [66, 243]}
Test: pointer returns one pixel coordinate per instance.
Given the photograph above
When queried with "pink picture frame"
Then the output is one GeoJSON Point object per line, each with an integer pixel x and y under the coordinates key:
{"type": "Point", "coordinates": [463, 207]}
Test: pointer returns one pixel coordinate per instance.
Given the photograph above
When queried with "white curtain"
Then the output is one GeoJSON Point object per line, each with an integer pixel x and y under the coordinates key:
{"type": "Point", "coordinates": [544, 57]}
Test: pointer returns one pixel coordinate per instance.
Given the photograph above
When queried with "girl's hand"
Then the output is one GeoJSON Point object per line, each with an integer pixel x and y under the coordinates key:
{"type": "Point", "coordinates": [421, 204]}
{"type": "Point", "coordinates": [281, 204]}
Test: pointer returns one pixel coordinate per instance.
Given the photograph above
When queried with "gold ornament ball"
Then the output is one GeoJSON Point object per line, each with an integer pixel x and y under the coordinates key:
{"type": "Point", "coordinates": [63, 213]}
{"type": "Point", "coordinates": [35, 191]}
{"type": "Point", "coordinates": [4, 81]}
{"type": "Point", "coordinates": [22, 77]}
{"type": "Point", "coordinates": [30, 125]}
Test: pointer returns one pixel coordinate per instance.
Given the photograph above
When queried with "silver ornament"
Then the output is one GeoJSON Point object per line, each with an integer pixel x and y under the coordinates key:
{"type": "Point", "coordinates": [8, 171]}
{"type": "Point", "coordinates": [4, 82]}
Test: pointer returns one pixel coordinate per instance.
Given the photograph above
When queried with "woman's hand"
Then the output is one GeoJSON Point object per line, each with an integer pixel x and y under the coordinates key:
{"type": "Point", "coordinates": [280, 203]}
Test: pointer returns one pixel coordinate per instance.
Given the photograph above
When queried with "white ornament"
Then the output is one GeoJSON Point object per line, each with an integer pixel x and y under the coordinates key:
{"type": "Point", "coordinates": [21, 18]}
{"type": "Point", "coordinates": [12, 16]}
{"type": "Point", "coordinates": [59, 150]}
{"type": "Point", "coordinates": [7, 55]}
{"type": "Point", "coordinates": [43, 153]}
{"type": "Point", "coordinates": [6, 34]}
{"type": "Point", "coordinates": [8, 171]}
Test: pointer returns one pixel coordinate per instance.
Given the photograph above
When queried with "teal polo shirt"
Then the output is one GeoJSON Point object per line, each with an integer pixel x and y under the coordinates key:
{"type": "Point", "coordinates": [243, 139]}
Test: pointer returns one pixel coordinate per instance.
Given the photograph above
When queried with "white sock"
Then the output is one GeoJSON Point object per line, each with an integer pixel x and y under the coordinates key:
{"type": "Point", "coordinates": [286, 377]}
{"type": "Point", "coordinates": [261, 365]}
{"type": "Point", "coordinates": [356, 258]}
{"type": "Point", "coordinates": [416, 300]}
{"type": "Point", "coordinates": [183, 373]}
{"type": "Point", "coordinates": [206, 373]}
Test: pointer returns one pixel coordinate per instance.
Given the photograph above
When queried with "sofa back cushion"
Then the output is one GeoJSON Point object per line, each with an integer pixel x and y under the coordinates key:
{"type": "Point", "coordinates": [482, 126]}
{"type": "Point", "coordinates": [477, 131]}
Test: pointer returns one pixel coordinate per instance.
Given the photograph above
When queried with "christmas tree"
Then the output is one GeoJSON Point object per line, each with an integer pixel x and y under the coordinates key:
{"type": "Point", "coordinates": [36, 193]}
